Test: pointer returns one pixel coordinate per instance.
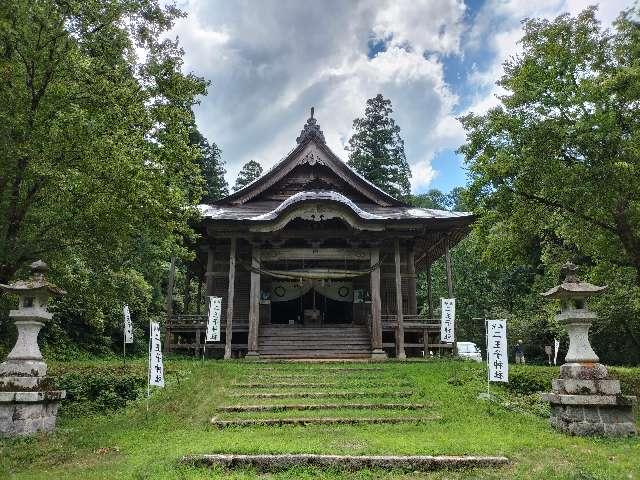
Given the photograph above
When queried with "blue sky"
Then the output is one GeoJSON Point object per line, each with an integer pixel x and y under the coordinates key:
{"type": "Point", "coordinates": [269, 61]}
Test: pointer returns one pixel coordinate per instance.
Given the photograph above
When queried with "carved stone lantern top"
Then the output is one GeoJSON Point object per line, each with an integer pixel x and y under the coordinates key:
{"type": "Point", "coordinates": [574, 314]}
{"type": "Point", "coordinates": [37, 283]}
{"type": "Point", "coordinates": [572, 287]}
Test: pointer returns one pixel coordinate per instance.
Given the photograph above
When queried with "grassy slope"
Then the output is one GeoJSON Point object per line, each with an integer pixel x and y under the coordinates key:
{"type": "Point", "coordinates": [130, 444]}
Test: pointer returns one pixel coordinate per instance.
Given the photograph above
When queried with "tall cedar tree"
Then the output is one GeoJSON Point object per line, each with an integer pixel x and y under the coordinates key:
{"type": "Point", "coordinates": [377, 150]}
{"type": "Point", "coordinates": [250, 171]}
{"type": "Point", "coordinates": [212, 168]}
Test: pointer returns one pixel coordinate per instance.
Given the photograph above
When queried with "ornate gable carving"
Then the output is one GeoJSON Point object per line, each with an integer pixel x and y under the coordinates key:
{"type": "Point", "coordinates": [312, 157]}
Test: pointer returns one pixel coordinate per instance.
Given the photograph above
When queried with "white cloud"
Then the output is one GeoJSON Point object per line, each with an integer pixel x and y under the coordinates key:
{"type": "Point", "coordinates": [270, 61]}
{"type": "Point", "coordinates": [499, 28]}
{"type": "Point", "coordinates": [413, 22]}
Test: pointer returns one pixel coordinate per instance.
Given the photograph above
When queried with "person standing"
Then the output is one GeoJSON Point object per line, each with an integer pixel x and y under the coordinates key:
{"type": "Point", "coordinates": [519, 352]}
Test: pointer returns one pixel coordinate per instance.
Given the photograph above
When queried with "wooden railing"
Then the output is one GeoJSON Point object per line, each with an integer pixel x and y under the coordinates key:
{"type": "Point", "coordinates": [426, 329]}
{"type": "Point", "coordinates": [185, 321]}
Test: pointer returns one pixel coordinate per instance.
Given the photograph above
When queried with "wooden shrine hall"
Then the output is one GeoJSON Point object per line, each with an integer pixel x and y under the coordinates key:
{"type": "Point", "coordinates": [313, 261]}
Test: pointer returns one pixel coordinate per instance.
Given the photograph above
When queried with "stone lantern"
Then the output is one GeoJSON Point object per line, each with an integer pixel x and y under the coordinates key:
{"type": "Point", "coordinates": [584, 400]}
{"type": "Point", "coordinates": [27, 402]}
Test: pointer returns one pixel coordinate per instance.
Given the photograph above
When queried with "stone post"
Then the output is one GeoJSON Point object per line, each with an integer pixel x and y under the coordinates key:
{"type": "Point", "coordinates": [584, 400]}
{"type": "Point", "coordinates": [28, 404]}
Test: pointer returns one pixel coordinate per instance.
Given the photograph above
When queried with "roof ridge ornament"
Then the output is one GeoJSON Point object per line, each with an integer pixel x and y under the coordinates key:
{"type": "Point", "coordinates": [311, 130]}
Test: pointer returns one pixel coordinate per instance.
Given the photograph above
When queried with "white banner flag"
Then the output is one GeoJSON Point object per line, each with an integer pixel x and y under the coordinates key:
{"type": "Point", "coordinates": [128, 327]}
{"type": "Point", "coordinates": [447, 324]}
{"type": "Point", "coordinates": [497, 355]}
{"type": "Point", "coordinates": [556, 345]}
{"type": "Point", "coordinates": [213, 322]}
{"type": "Point", "coordinates": [156, 367]}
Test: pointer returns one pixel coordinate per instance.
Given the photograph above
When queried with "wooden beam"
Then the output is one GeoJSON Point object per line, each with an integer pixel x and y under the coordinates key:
{"type": "Point", "coordinates": [315, 254]}
{"type": "Point", "coordinates": [230, 295]}
{"type": "Point", "coordinates": [400, 353]}
{"type": "Point", "coordinates": [254, 304]}
{"type": "Point", "coordinates": [376, 320]}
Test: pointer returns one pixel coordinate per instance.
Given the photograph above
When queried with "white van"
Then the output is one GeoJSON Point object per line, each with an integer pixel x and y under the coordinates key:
{"type": "Point", "coordinates": [469, 350]}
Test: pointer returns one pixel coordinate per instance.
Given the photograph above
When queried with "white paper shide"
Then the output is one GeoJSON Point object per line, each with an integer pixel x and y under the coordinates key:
{"type": "Point", "coordinates": [447, 325]}
{"type": "Point", "coordinates": [156, 367]}
{"type": "Point", "coordinates": [128, 327]}
{"type": "Point", "coordinates": [213, 321]}
{"type": "Point", "coordinates": [497, 356]}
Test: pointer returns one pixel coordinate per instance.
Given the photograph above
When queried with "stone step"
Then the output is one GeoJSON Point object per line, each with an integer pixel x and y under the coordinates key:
{"type": "Point", "coordinates": [294, 342]}
{"type": "Point", "coordinates": [283, 385]}
{"type": "Point", "coordinates": [304, 377]}
{"type": "Point", "coordinates": [343, 394]}
{"type": "Point", "coordinates": [320, 367]}
{"type": "Point", "coordinates": [254, 422]}
{"type": "Point", "coordinates": [311, 355]}
{"type": "Point", "coordinates": [326, 406]}
{"type": "Point", "coordinates": [311, 346]}
{"type": "Point", "coordinates": [406, 463]}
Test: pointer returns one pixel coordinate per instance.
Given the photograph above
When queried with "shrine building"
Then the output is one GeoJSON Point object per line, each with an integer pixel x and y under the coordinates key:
{"type": "Point", "coordinates": [312, 261]}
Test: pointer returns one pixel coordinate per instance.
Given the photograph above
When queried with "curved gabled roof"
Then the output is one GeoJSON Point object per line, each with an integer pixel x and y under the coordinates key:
{"type": "Point", "coordinates": [311, 135]}
{"type": "Point", "coordinates": [269, 210]}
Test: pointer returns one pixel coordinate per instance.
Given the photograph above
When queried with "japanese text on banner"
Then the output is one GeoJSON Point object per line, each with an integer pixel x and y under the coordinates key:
{"type": "Point", "coordinates": [156, 367]}
{"type": "Point", "coordinates": [128, 327]}
{"type": "Point", "coordinates": [497, 357]}
{"type": "Point", "coordinates": [447, 325]}
{"type": "Point", "coordinates": [213, 322]}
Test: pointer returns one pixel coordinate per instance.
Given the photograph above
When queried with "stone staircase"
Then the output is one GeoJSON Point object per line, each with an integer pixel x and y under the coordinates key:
{"type": "Point", "coordinates": [296, 342]}
{"type": "Point", "coordinates": [318, 396]}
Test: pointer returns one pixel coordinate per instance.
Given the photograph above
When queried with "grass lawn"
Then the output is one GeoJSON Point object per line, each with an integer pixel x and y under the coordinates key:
{"type": "Point", "coordinates": [132, 444]}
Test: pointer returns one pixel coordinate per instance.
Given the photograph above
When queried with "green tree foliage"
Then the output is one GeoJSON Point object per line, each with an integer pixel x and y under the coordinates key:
{"type": "Point", "coordinates": [377, 149]}
{"type": "Point", "coordinates": [250, 171]}
{"type": "Point", "coordinates": [97, 172]}
{"type": "Point", "coordinates": [438, 200]}
{"type": "Point", "coordinates": [554, 170]}
{"type": "Point", "coordinates": [212, 168]}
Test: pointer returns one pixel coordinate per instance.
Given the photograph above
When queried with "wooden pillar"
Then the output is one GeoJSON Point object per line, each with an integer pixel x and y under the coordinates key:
{"type": "Point", "coordinates": [377, 353]}
{"type": "Point", "coordinates": [230, 294]}
{"type": "Point", "coordinates": [169, 299]}
{"type": "Point", "coordinates": [187, 289]}
{"type": "Point", "coordinates": [425, 340]}
{"type": "Point", "coordinates": [447, 259]}
{"type": "Point", "coordinates": [169, 305]}
{"type": "Point", "coordinates": [412, 308]}
{"type": "Point", "coordinates": [254, 304]}
{"type": "Point", "coordinates": [400, 353]}
{"type": "Point", "coordinates": [199, 303]}
{"type": "Point", "coordinates": [429, 293]}
{"type": "Point", "coordinates": [209, 273]}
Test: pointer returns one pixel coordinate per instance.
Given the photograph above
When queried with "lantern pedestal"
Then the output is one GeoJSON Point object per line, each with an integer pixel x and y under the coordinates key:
{"type": "Point", "coordinates": [28, 403]}
{"type": "Point", "coordinates": [584, 400]}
